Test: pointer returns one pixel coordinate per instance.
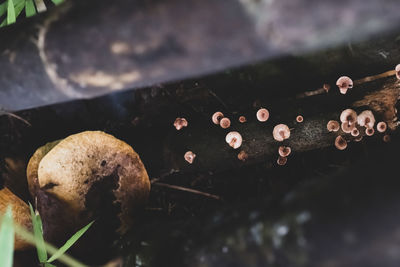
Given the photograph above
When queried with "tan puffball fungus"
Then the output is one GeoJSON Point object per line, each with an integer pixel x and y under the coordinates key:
{"type": "Point", "coordinates": [347, 127]}
{"type": "Point", "coordinates": [20, 213]}
{"type": "Point", "coordinates": [348, 115]}
{"type": "Point", "coordinates": [340, 143]}
{"type": "Point", "coordinates": [216, 117]}
{"type": "Point", "coordinates": [179, 123]}
{"type": "Point", "coordinates": [281, 132]}
{"type": "Point", "coordinates": [281, 160]}
{"type": "Point", "coordinates": [397, 69]}
{"type": "Point", "coordinates": [82, 167]}
{"type": "Point", "coordinates": [381, 126]}
{"type": "Point", "coordinates": [262, 114]}
{"type": "Point", "coordinates": [344, 83]}
{"type": "Point", "coordinates": [284, 151]}
{"type": "Point", "coordinates": [234, 139]}
{"type": "Point", "coordinates": [333, 126]}
{"type": "Point", "coordinates": [366, 119]}
{"type": "Point", "coordinates": [369, 131]}
{"type": "Point", "coordinates": [189, 156]}
{"type": "Point", "coordinates": [225, 123]}
{"type": "Point", "coordinates": [299, 118]}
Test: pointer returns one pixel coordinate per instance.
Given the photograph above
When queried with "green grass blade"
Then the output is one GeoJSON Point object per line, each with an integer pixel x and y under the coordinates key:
{"type": "Point", "coordinates": [38, 233]}
{"type": "Point", "coordinates": [70, 242]}
{"type": "Point", "coordinates": [49, 265]}
{"type": "Point", "coordinates": [18, 9]}
{"type": "Point", "coordinates": [3, 8]}
{"type": "Point", "coordinates": [40, 6]}
{"type": "Point", "coordinates": [10, 12]}
{"type": "Point", "coordinates": [3, 23]}
{"type": "Point", "coordinates": [30, 9]}
{"type": "Point", "coordinates": [7, 239]}
{"type": "Point", "coordinates": [57, 2]}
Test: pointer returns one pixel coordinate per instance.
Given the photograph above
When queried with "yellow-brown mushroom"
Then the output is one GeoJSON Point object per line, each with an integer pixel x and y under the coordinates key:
{"type": "Point", "coordinates": [77, 173]}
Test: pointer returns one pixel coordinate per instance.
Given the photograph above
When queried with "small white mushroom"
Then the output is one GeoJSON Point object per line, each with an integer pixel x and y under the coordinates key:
{"type": "Point", "coordinates": [234, 139]}
{"type": "Point", "coordinates": [281, 132]}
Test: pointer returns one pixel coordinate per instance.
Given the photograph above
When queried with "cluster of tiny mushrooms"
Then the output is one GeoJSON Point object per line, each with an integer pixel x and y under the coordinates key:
{"type": "Point", "coordinates": [64, 175]}
{"type": "Point", "coordinates": [351, 124]}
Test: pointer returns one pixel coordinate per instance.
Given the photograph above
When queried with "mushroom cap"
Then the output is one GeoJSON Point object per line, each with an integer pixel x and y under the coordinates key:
{"type": "Point", "coordinates": [242, 119]}
{"type": "Point", "coordinates": [225, 123]}
{"type": "Point", "coordinates": [284, 151]}
{"type": "Point", "coordinates": [369, 131]}
{"type": "Point", "coordinates": [299, 118]}
{"type": "Point", "coordinates": [281, 160]}
{"type": "Point", "coordinates": [333, 126]}
{"type": "Point", "coordinates": [76, 169]}
{"type": "Point", "coordinates": [216, 117]}
{"type": "Point", "coordinates": [386, 138]}
{"type": "Point", "coordinates": [281, 132]}
{"type": "Point", "coordinates": [262, 114]}
{"type": "Point", "coordinates": [340, 143]}
{"type": "Point", "coordinates": [381, 126]}
{"type": "Point", "coordinates": [397, 69]}
{"type": "Point", "coordinates": [348, 115]}
{"type": "Point", "coordinates": [189, 156]}
{"type": "Point", "coordinates": [243, 156]}
{"type": "Point", "coordinates": [20, 213]}
{"type": "Point", "coordinates": [347, 127]}
{"type": "Point", "coordinates": [179, 123]}
{"type": "Point", "coordinates": [366, 118]}
{"type": "Point", "coordinates": [234, 139]}
{"type": "Point", "coordinates": [355, 132]}
{"type": "Point", "coordinates": [344, 83]}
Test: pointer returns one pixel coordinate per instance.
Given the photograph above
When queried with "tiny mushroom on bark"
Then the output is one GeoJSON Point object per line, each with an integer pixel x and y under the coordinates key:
{"type": "Point", "coordinates": [344, 83]}
{"type": "Point", "coordinates": [225, 123]}
{"type": "Point", "coordinates": [355, 132]}
{"type": "Point", "coordinates": [281, 132]}
{"type": "Point", "coordinates": [299, 118]}
{"type": "Point", "coordinates": [216, 117]}
{"type": "Point", "coordinates": [366, 119]}
{"type": "Point", "coordinates": [281, 160]}
{"type": "Point", "coordinates": [234, 139]}
{"type": "Point", "coordinates": [243, 156]}
{"type": "Point", "coordinates": [358, 138]}
{"type": "Point", "coordinates": [284, 151]}
{"type": "Point", "coordinates": [340, 143]}
{"type": "Point", "coordinates": [369, 131]}
{"type": "Point", "coordinates": [242, 119]}
{"type": "Point", "coordinates": [348, 115]}
{"type": "Point", "coordinates": [386, 138]}
{"type": "Point", "coordinates": [397, 69]}
{"type": "Point", "coordinates": [333, 126]}
{"type": "Point", "coordinates": [179, 123]}
{"type": "Point", "coordinates": [262, 114]}
{"type": "Point", "coordinates": [347, 127]}
{"type": "Point", "coordinates": [381, 126]}
{"type": "Point", "coordinates": [189, 156]}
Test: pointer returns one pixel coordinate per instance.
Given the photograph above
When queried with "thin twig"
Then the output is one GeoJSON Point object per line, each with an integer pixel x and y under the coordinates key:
{"type": "Point", "coordinates": [16, 117]}
{"type": "Point", "coordinates": [176, 187]}
{"type": "Point", "coordinates": [218, 98]}
{"type": "Point", "coordinates": [356, 82]}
